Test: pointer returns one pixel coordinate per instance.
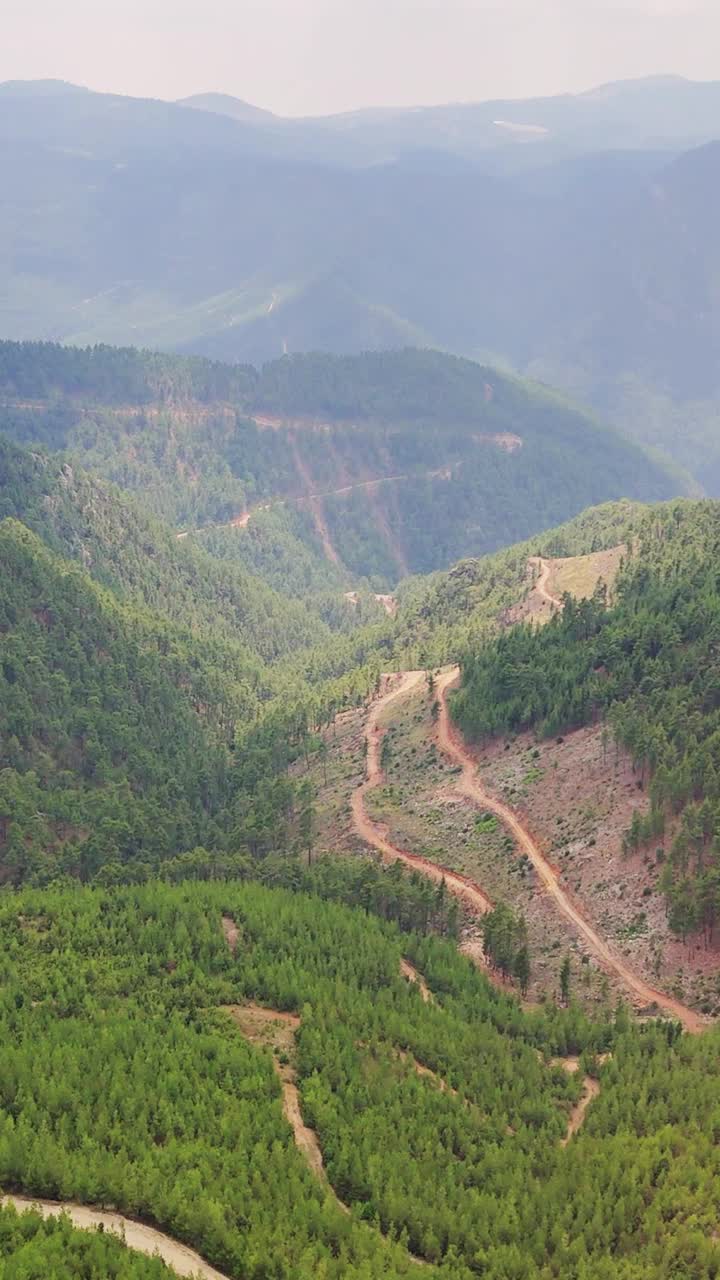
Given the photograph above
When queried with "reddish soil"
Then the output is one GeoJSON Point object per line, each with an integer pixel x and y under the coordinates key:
{"type": "Point", "coordinates": [541, 586]}
{"type": "Point", "coordinates": [578, 793]}
{"type": "Point", "coordinates": [469, 784]}
{"type": "Point", "coordinates": [540, 602]}
{"type": "Point", "coordinates": [394, 546]}
{"type": "Point", "coordinates": [373, 834]}
{"type": "Point", "coordinates": [315, 504]}
{"type": "Point", "coordinates": [576, 575]}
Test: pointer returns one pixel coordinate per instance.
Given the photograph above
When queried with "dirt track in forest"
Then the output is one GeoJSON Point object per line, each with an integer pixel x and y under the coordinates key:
{"type": "Point", "coordinates": [276, 1031]}
{"type": "Point", "coordinates": [142, 1239]}
{"type": "Point", "coordinates": [373, 834]}
{"type": "Point", "coordinates": [409, 971]}
{"type": "Point", "coordinates": [314, 499]}
{"type": "Point", "coordinates": [541, 586]}
{"type": "Point", "coordinates": [591, 1091]}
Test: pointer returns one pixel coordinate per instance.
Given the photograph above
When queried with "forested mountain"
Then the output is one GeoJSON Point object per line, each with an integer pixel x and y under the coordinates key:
{"type": "Point", "coordinates": [134, 670]}
{"type": "Point", "coordinates": [186, 229]}
{"type": "Point", "coordinates": [117, 729]}
{"type": "Point", "coordinates": [445, 614]}
{"type": "Point", "coordinates": [87, 520]}
{"type": "Point", "coordinates": [246, 933]}
{"type": "Point", "coordinates": [377, 465]}
{"type": "Point", "coordinates": [649, 666]}
{"type": "Point", "coordinates": [153, 696]}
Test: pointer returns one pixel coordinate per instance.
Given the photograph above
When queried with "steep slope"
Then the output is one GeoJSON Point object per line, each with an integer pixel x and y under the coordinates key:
{"type": "Point", "coordinates": [89, 521]}
{"type": "Point", "coordinates": [382, 463]}
{"type": "Point", "coordinates": [649, 666]}
{"type": "Point", "coordinates": [450, 613]}
{"type": "Point", "coordinates": [117, 726]}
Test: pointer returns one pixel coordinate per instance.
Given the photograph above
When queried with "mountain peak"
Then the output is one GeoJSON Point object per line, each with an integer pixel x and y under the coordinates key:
{"type": "Point", "coordinates": [39, 88]}
{"type": "Point", "coordinates": [224, 104]}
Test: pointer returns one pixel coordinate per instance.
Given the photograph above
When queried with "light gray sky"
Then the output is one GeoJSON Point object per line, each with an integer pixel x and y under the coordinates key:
{"type": "Point", "coordinates": [315, 56]}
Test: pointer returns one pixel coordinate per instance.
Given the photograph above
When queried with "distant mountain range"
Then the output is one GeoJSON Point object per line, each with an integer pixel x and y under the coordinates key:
{"type": "Point", "coordinates": [572, 238]}
{"type": "Point", "coordinates": [658, 111]}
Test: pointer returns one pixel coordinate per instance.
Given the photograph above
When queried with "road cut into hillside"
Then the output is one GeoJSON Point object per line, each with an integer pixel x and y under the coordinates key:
{"type": "Point", "coordinates": [541, 586]}
{"type": "Point", "coordinates": [373, 834]}
{"type": "Point", "coordinates": [142, 1239]}
{"type": "Point", "coordinates": [470, 785]}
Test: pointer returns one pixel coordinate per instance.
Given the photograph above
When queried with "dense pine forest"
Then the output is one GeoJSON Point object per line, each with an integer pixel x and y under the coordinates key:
{"type": "Point", "coordinates": [128, 737]}
{"type": "Point", "coordinates": [126, 1084]}
{"type": "Point", "coordinates": [359, 704]}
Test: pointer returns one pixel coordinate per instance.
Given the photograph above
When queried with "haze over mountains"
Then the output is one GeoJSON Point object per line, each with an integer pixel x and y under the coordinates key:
{"type": "Point", "coordinates": [359, 700]}
{"type": "Point", "coordinates": [575, 240]}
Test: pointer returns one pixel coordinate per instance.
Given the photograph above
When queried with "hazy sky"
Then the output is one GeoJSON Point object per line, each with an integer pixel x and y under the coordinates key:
{"type": "Point", "coordinates": [313, 56]}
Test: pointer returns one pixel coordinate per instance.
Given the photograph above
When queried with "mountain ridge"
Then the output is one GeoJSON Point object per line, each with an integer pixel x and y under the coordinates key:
{"type": "Point", "coordinates": [468, 457]}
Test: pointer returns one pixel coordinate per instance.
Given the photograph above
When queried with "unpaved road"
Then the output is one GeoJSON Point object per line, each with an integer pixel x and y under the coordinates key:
{"type": "Point", "coordinates": [591, 1091]}
{"type": "Point", "coordinates": [470, 785]}
{"type": "Point", "coordinates": [369, 831]}
{"type": "Point", "coordinates": [314, 501]}
{"type": "Point", "coordinates": [276, 1030]}
{"type": "Point", "coordinates": [409, 971]}
{"type": "Point", "coordinates": [541, 586]}
{"type": "Point", "coordinates": [231, 933]}
{"type": "Point", "coordinates": [469, 891]}
{"type": "Point", "coordinates": [137, 1236]}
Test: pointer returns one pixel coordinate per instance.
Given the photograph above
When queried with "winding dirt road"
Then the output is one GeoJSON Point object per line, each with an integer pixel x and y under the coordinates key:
{"type": "Point", "coordinates": [276, 1030]}
{"type": "Point", "coordinates": [135, 1234]}
{"type": "Point", "coordinates": [541, 586]}
{"type": "Point", "coordinates": [373, 834]}
{"type": "Point", "coordinates": [470, 785]}
{"type": "Point", "coordinates": [591, 1091]}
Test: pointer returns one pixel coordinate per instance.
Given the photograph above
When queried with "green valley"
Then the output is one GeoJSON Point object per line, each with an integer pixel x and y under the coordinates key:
{"type": "Point", "coordinates": [260, 906]}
